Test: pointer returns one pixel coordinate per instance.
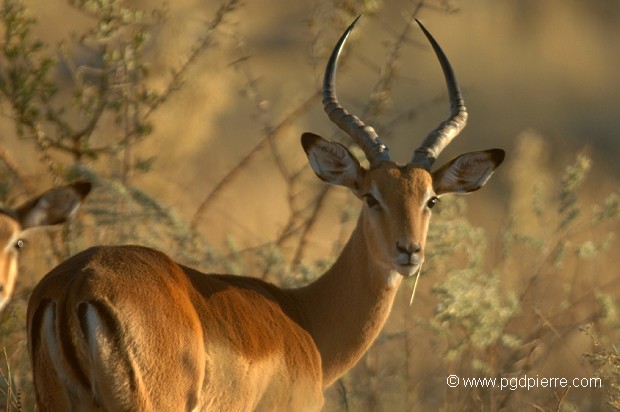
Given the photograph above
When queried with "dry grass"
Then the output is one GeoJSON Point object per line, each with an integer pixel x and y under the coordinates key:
{"type": "Point", "coordinates": [202, 160]}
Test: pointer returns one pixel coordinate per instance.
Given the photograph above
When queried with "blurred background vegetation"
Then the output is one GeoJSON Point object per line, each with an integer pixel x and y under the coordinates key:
{"type": "Point", "coordinates": [187, 115]}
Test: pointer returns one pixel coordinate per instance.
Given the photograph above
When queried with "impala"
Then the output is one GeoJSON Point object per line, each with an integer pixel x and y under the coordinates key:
{"type": "Point", "coordinates": [51, 208]}
{"type": "Point", "coordinates": [127, 328]}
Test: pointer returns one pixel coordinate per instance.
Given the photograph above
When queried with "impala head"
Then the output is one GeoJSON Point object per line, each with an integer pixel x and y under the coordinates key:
{"type": "Point", "coordinates": [51, 208]}
{"type": "Point", "coordinates": [398, 198]}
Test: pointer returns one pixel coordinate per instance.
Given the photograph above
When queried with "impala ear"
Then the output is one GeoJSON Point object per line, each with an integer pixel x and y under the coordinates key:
{"type": "Point", "coordinates": [468, 172]}
{"type": "Point", "coordinates": [332, 162]}
{"type": "Point", "coordinates": [54, 206]}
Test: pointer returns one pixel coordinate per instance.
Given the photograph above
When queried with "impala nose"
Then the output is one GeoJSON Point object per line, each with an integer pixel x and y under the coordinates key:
{"type": "Point", "coordinates": [408, 248]}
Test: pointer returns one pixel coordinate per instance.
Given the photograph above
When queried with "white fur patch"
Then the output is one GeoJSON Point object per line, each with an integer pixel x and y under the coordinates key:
{"type": "Point", "coordinates": [49, 338]}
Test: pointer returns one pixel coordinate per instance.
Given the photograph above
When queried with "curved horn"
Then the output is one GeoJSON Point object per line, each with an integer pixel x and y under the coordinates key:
{"type": "Point", "coordinates": [439, 138]}
{"type": "Point", "coordinates": [364, 136]}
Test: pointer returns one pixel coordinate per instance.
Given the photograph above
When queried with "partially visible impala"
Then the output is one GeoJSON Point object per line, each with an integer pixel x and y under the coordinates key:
{"type": "Point", "coordinates": [51, 208]}
{"type": "Point", "coordinates": [126, 328]}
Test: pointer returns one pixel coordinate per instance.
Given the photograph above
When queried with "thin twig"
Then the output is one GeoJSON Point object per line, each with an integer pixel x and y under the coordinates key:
{"type": "Point", "coordinates": [14, 168]}
{"type": "Point", "coordinates": [177, 77]}
{"type": "Point", "coordinates": [559, 407]}
{"type": "Point", "coordinates": [309, 225]}
{"type": "Point", "coordinates": [236, 171]}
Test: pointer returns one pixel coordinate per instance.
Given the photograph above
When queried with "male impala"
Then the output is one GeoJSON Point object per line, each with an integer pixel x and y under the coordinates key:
{"type": "Point", "coordinates": [51, 208]}
{"type": "Point", "coordinates": [126, 328]}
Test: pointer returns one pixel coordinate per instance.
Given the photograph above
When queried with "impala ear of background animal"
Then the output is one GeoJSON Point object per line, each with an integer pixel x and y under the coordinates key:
{"type": "Point", "coordinates": [82, 187]}
{"type": "Point", "coordinates": [54, 206]}
{"type": "Point", "coordinates": [498, 156]}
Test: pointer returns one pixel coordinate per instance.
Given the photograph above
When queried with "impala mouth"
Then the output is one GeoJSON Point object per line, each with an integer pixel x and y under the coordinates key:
{"type": "Point", "coordinates": [407, 264]}
{"type": "Point", "coordinates": [407, 269]}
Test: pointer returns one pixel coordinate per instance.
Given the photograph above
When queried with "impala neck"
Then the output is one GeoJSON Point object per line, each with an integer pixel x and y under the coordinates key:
{"type": "Point", "coordinates": [347, 307]}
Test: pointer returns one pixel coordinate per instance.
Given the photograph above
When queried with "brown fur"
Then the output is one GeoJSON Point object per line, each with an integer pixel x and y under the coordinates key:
{"type": "Point", "coordinates": [135, 330]}
{"type": "Point", "coordinates": [190, 341]}
{"type": "Point", "coordinates": [126, 328]}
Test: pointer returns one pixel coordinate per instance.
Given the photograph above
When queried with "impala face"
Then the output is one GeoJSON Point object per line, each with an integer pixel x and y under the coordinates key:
{"type": "Point", "coordinates": [398, 198]}
{"type": "Point", "coordinates": [51, 208]}
{"type": "Point", "coordinates": [397, 210]}
{"type": "Point", "coordinates": [9, 231]}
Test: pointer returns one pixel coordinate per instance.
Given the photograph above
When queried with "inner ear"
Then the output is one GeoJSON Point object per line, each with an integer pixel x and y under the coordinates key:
{"type": "Point", "coordinates": [468, 172]}
{"type": "Point", "coordinates": [54, 206]}
{"type": "Point", "coordinates": [333, 162]}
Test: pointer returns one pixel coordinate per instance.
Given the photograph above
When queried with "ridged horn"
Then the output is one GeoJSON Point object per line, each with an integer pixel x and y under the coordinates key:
{"type": "Point", "coordinates": [441, 136]}
{"type": "Point", "coordinates": [365, 136]}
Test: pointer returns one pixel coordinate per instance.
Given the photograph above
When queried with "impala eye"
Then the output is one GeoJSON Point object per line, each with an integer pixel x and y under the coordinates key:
{"type": "Point", "coordinates": [432, 202]}
{"type": "Point", "coordinates": [371, 201]}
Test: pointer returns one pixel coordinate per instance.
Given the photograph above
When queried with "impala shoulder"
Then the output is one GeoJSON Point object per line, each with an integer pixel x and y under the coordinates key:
{"type": "Point", "coordinates": [127, 258]}
{"type": "Point", "coordinates": [261, 289]}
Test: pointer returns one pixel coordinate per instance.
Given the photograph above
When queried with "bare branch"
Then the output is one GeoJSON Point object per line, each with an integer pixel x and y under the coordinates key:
{"type": "Point", "coordinates": [234, 172]}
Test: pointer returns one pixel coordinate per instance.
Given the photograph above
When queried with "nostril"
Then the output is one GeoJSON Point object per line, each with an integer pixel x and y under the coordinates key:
{"type": "Point", "coordinates": [408, 248]}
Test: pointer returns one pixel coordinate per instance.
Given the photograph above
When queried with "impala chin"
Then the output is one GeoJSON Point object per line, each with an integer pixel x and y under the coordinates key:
{"type": "Point", "coordinates": [400, 271]}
